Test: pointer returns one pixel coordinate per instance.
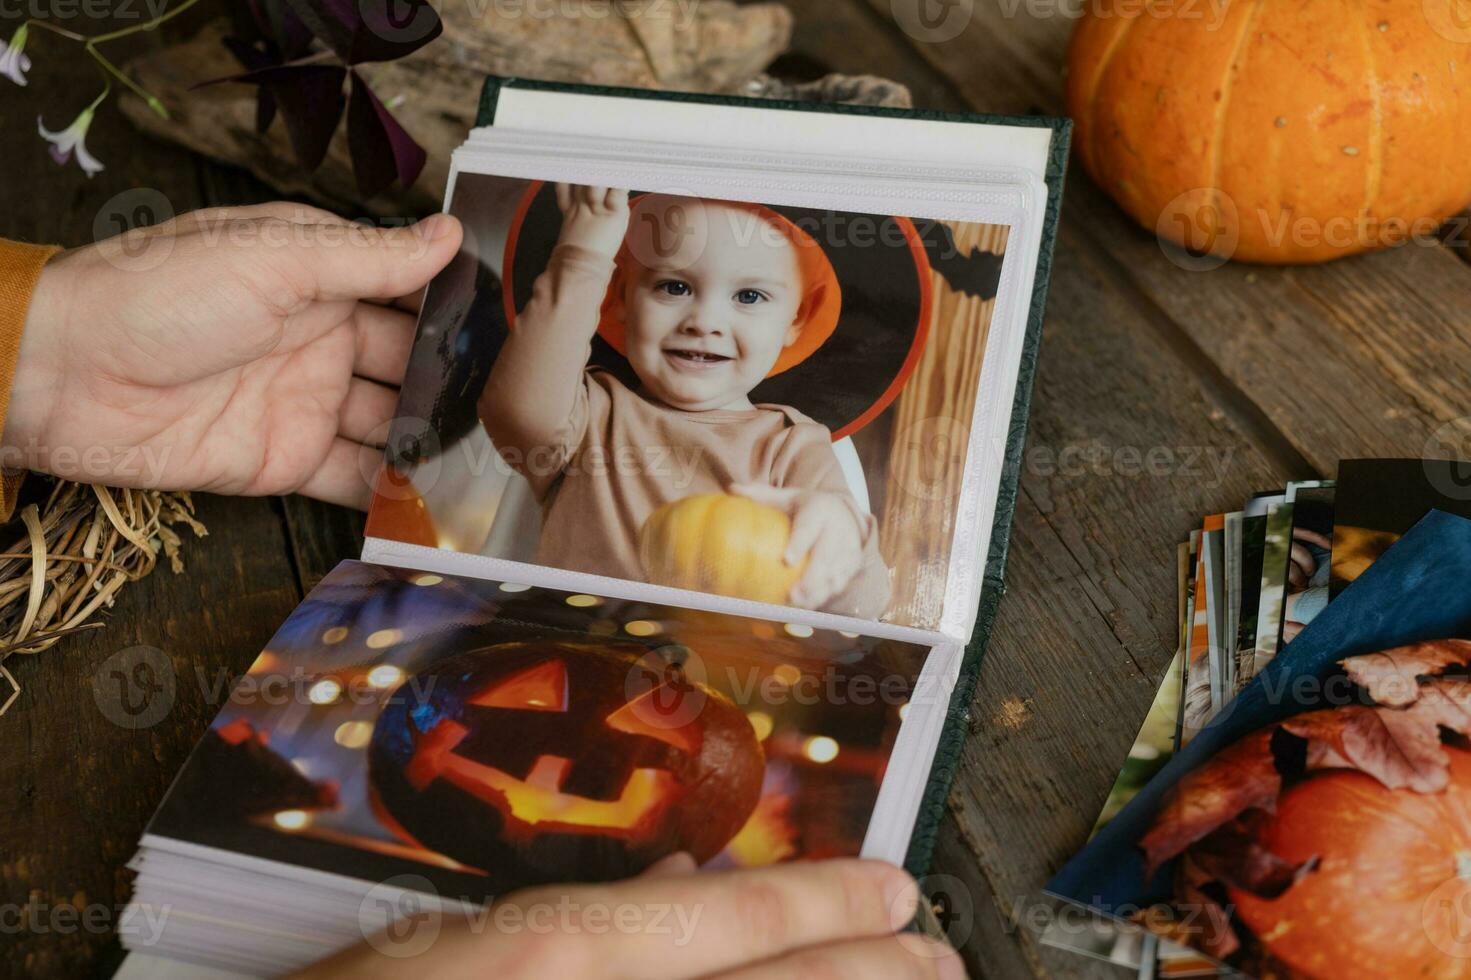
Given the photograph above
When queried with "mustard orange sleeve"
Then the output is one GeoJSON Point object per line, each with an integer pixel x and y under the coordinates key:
{"type": "Point", "coordinates": [20, 267]}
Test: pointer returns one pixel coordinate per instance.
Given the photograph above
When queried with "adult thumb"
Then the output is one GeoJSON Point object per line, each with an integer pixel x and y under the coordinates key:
{"type": "Point", "coordinates": [348, 262]}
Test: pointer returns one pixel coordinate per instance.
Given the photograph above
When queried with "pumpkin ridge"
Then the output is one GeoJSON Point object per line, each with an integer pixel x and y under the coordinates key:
{"type": "Point", "coordinates": [1374, 172]}
{"type": "Point", "coordinates": [1223, 106]}
{"type": "Point", "coordinates": [1090, 109]}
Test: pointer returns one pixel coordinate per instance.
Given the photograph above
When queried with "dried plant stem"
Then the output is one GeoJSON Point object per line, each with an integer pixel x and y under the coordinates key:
{"type": "Point", "coordinates": [69, 557]}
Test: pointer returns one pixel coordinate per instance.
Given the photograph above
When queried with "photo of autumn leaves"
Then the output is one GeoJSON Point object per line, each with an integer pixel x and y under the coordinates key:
{"type": "Point", "coordinates": [1320, 824]}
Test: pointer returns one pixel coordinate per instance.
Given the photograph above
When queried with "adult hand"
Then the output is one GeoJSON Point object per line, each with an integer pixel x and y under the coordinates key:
{"type": "Point", "coordinates": [835, 918]}
{"type": "Point", "coordinates": [234, 350]}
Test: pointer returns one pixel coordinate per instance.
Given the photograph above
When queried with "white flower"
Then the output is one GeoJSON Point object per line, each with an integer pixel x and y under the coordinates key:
{"type": "Point", "coordinates": [13, 61]}
{"type": "Point", "coordinates": [71, 138]}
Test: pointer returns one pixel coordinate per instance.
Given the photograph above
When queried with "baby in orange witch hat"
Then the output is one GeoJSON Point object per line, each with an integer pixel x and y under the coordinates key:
{"type": "Point", "coordinates": [705, 299]}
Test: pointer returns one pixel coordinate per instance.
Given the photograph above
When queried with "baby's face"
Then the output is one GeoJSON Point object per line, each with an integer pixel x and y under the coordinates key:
{"type": "Point", "coordinates": [710, 301]}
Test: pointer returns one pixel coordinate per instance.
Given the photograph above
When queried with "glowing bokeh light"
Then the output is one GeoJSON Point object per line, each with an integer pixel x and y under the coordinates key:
{"type": "Point", "coordinates": [379, 639]}
{"type": "Point", "coordinates": [324, 691]}
{"type": "Point", "coordinates": [820, 749]}
{"type": "Point", "coordinates": [292, 819]}
{"type": "Point", "coordinates": [787, 674]}
{"type": "Point", "coordinates": [384, 676]}
{"type": "Point", "coordinates": [353, 734]}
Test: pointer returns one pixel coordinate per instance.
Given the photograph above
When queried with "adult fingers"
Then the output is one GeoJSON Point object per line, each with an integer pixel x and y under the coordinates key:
{"type": "Point", "coordinates": [366, 412]}
{"type": "Point", "coordinates": [718, 921]}
{"type": "Point", "coordinates": [300, 214]}
{"type": "Point", "coordinates": [342, 262]}
{"type": "Point", "coordinates": [908, 956]}
{"type": "Point", "coordinates": [411, 303]}
{"type": "Point", "coordinates": [382, 340]}
{"type": "Point", "coordinates": [678, 863]}
{"type": "Point", "coordinates": [339, 479]}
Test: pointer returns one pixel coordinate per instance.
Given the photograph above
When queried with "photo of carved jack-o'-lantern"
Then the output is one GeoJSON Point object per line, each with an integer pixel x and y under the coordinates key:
{"type": "Point", "coordinates": [542, 761]}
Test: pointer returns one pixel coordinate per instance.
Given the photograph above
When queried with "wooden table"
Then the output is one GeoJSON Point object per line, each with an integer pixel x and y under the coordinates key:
{"type": "Point", "coordinates": [1245, 376]}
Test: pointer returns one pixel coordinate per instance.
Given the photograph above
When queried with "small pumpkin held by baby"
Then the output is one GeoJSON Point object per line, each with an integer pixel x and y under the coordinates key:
{"type": "Point", "coordinates": [721, 543]}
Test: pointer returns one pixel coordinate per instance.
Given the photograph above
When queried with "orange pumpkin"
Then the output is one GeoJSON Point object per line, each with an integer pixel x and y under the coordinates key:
{"type": "Point", "coordinates": [1391, 895]}
{"type": "Point", "coordinates": [721, 543]}
{"type": "Point", "coordinates": [1276, 132]}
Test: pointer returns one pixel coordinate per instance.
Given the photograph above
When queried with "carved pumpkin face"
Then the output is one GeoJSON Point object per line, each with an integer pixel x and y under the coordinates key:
{"type": "Point", "coordinates": [549, 761]}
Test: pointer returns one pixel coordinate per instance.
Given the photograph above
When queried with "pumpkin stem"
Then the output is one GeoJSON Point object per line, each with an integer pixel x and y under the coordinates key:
{"type": "Point", "coordinates": [1463, 865]}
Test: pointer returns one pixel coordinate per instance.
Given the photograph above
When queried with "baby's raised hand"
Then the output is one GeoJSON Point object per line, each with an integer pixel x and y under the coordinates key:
{"type": "Point", "coordinates": [824, 530]}
{"type": "Point", "coordinates": [596, 218]}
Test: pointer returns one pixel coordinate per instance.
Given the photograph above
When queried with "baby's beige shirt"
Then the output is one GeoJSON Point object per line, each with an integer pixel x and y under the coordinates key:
{"type": "Point", "coordinates": [602, 467]}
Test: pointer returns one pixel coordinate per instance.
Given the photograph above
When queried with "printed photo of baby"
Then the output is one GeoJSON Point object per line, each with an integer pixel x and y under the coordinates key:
{"type": "Point", "coordinates": [714, 395]}
{"type": "Point", "coordinates": [707, 296]}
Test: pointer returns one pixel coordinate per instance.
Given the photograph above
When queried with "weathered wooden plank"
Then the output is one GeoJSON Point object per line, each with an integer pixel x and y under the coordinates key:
{"type": "Point", "coordinates": [1356, 357]}
{"type": "Point", "coordinates": [80, 783]}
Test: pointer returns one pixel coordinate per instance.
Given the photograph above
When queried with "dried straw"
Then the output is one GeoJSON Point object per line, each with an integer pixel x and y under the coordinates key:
{"type": "Point", "coordinates": [72, 556]}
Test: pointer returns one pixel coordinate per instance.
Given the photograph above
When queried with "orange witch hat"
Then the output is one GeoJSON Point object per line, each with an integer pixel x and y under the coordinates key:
{"type": "Point", "coordinates": [865, 312]}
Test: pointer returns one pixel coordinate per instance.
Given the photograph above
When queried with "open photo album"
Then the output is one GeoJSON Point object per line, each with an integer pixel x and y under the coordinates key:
{"type": "Point", "coordinates": [687, 535]}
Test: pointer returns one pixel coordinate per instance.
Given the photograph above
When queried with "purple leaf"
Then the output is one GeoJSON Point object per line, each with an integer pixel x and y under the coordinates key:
{"type": "Point", "coordinates": [253, 59]}
{"type": "Point", "coordinates": [272, 24]}
{"type": "Point", "coordinates": [310, 98]}
{"type": "Point", "coordinates": [370, 30]}
{"type": "Point", "coordinates": [382, 150]}
{"type": "Point", "coordinates": [290, 35]}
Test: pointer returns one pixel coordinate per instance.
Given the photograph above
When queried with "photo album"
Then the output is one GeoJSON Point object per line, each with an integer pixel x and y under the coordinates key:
{"type": "Point", "coordinates": [688, 534]}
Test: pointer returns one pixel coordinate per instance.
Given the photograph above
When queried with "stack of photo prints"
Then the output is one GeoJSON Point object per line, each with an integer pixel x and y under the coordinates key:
{"type": "Point", "coordinates": [686, 537]}
{"type": "Point", "coordinates": [1298, 800]}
